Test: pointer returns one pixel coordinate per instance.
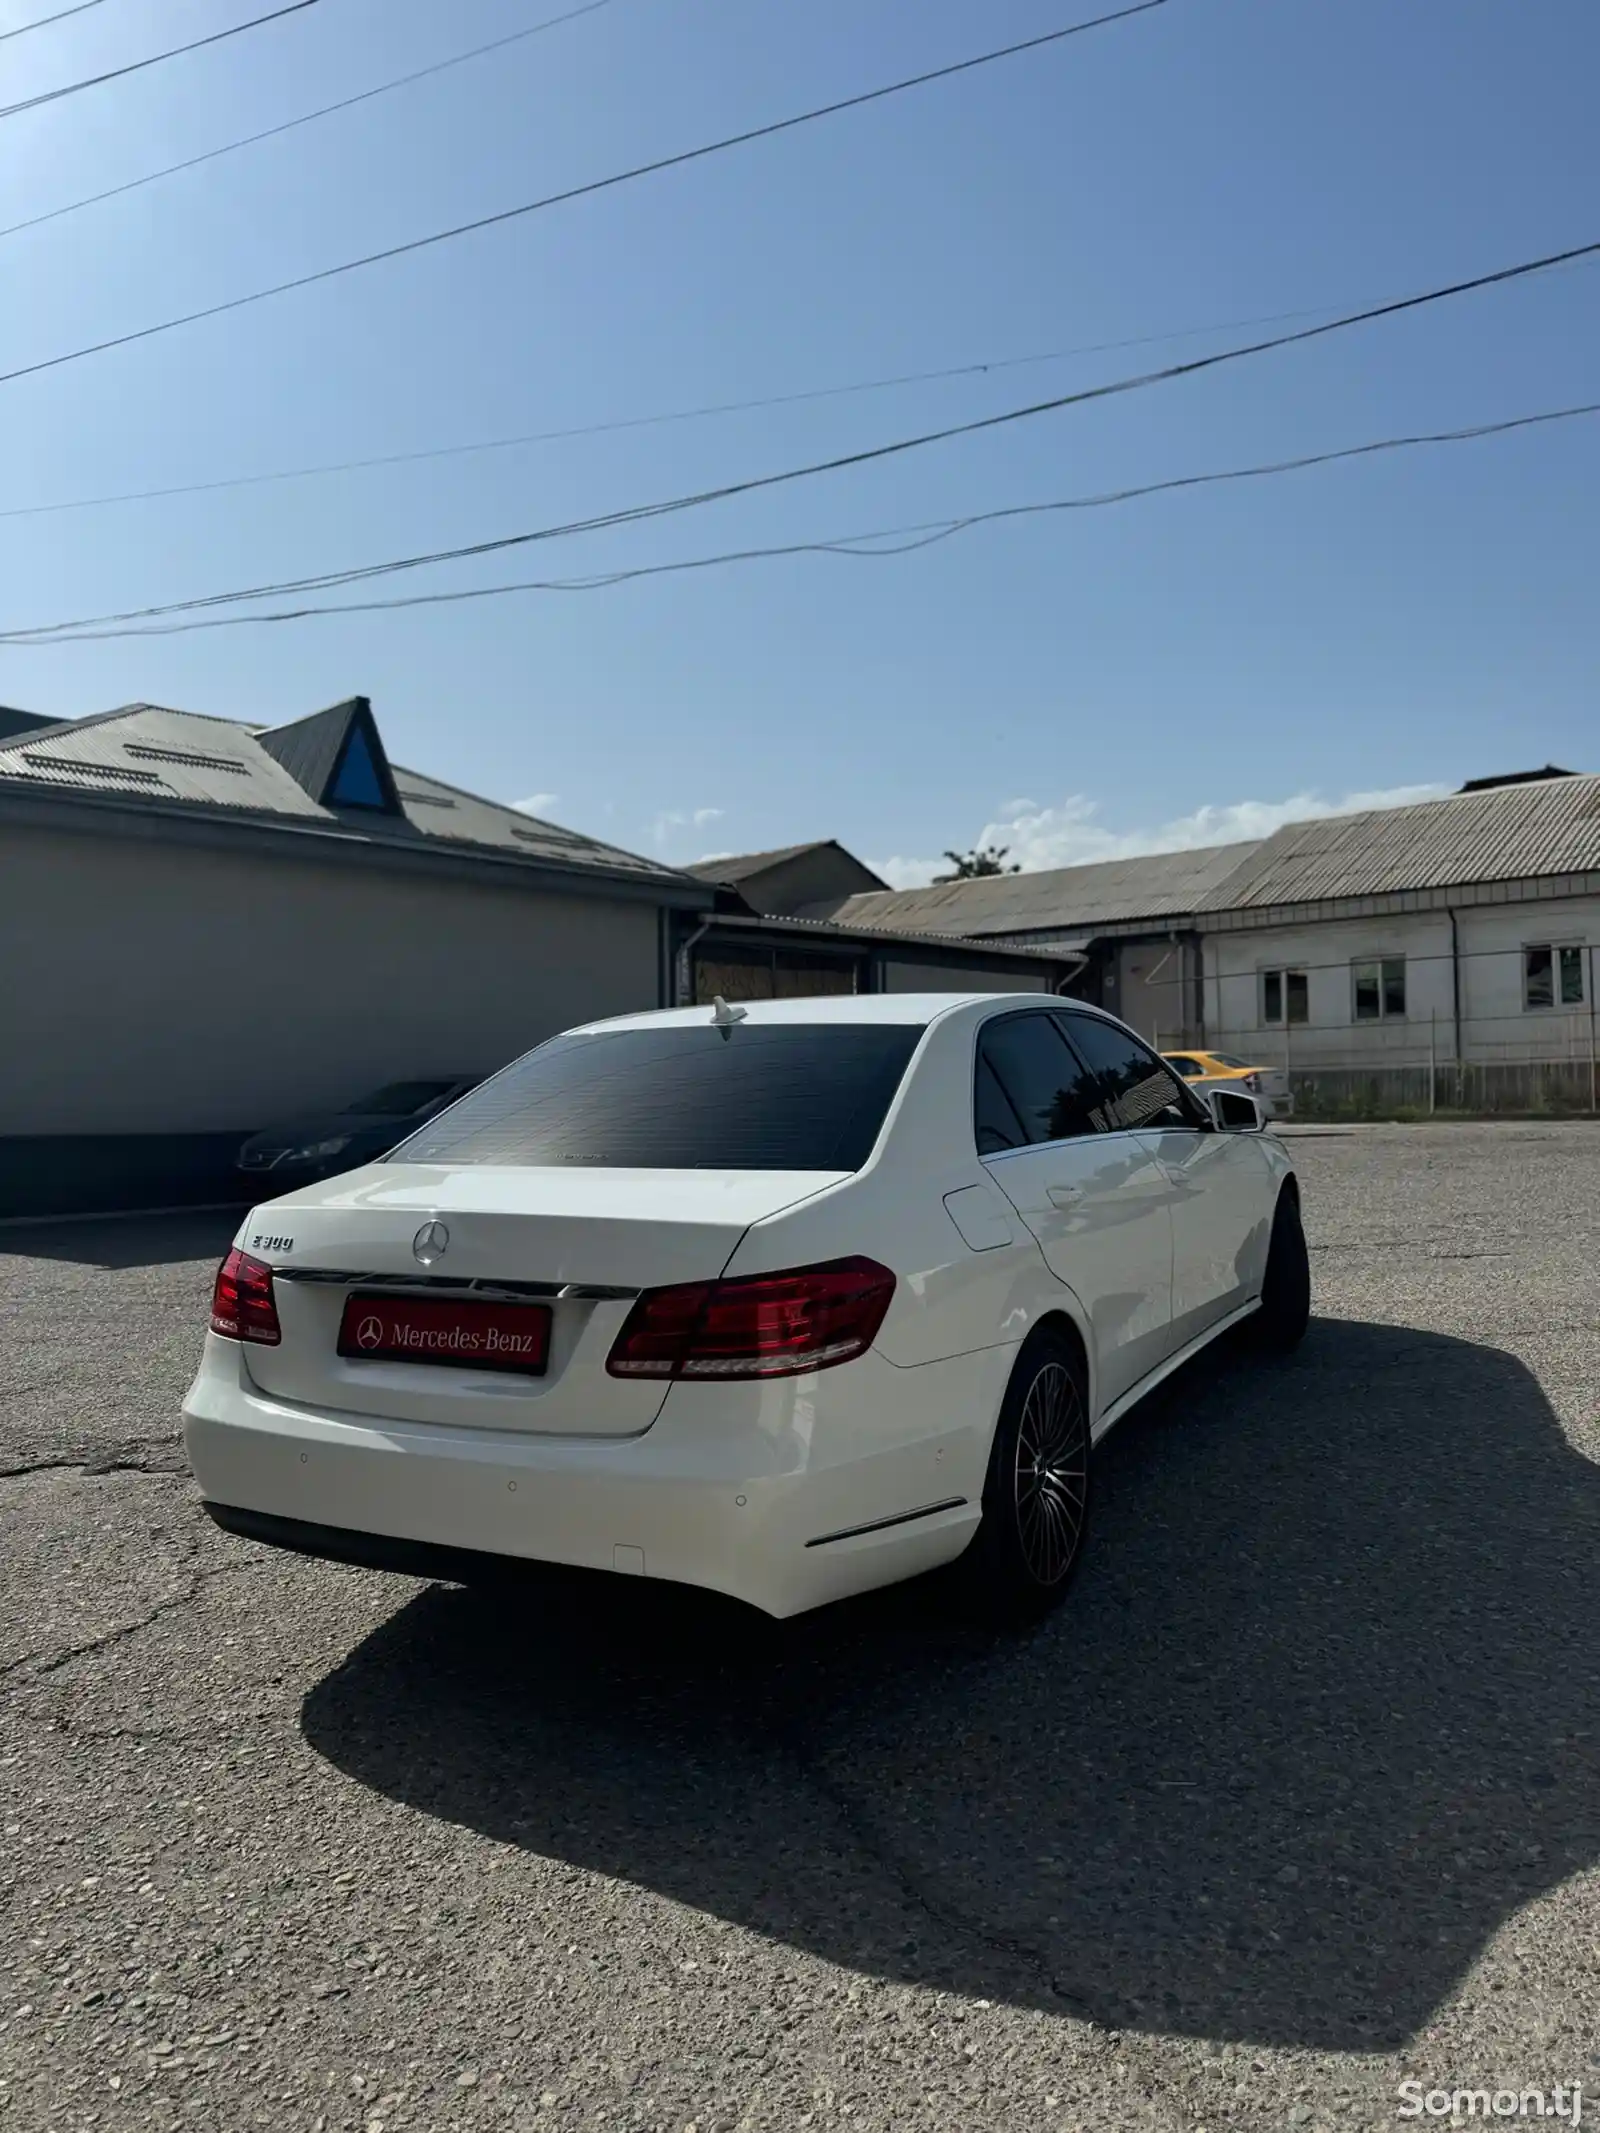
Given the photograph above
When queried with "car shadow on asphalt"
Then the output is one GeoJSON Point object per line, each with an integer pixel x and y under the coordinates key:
{"type": "Point", "coordinates": [1320, 1713]}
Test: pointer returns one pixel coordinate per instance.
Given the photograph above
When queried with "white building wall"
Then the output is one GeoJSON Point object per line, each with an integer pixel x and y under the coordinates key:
{"type": "Point", "coordinates": [1495, 1025]}
{"type": "Point", "coordinates": [1331, 1036]}
{"type": "Point", "coordinates": [1154, 990]}
{"type": "Point", "coordinates": [148, 988]}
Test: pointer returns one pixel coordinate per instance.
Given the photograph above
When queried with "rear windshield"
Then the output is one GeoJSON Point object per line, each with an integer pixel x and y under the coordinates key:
{"type": "Point", "coordinates": [398, 1099]}
{"type": "Point", "coordinates": [764, 1096]}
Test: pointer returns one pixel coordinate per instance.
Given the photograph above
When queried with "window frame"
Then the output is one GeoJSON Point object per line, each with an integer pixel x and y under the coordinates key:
{"type": "Point", "coordinates": [1382, 965]}
{"type": "Point", "coordinates": [1283, 972]}
{"type": "Point", "coordinates": [979, 1059]}
{"type": "Point", "coordinates": [1199, 1118]}
{"type": "Point", "coordinates": [1556, 1004]}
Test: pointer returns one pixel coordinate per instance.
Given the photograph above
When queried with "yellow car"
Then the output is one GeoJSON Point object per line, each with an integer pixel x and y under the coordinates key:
{"type": "Point", "coordinates": [1206, 1070]}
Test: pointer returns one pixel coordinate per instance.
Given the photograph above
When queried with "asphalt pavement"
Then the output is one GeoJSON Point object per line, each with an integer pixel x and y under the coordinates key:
{"type": "Point", "coordinates": [1294, 1801]}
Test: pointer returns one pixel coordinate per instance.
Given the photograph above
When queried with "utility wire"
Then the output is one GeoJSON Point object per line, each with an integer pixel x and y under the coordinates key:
{"type": "Point", "coordinates": [674, 415]}
{"type": "Point", "coordinates": [43, 22]}
{"type": "Point", "coordinates": [579, 192]}
{"type": "Point", "coordinates": [156, 59]}
{"type": "Point", "coordinates": [638, 513]}
{"type": "Point", "coordinates": [885, 542]}
{"type": "Point", "coordinates": [345, 103]}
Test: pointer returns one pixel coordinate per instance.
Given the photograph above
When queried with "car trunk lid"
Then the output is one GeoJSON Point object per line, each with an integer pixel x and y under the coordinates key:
{"type": "Point", "coordinates": [578, 1243]}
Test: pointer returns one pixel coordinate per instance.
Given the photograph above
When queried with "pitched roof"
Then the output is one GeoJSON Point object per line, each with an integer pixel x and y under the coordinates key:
{"type": "Point", "coordinates": [734, 867]}
{"type": "Point", "coordinates": [842, 928]}
{"type": "Point", "coordinates": [1515, 777]}
{"type": "Point", "coordinates": [310, 748]}
{"type": "Point", "coordinates": [1502, 833]}
{"type": "Point", "coordinates": [1060, 901]}
{"type": "Point", "coordinates": [217, 767]}
{"type": "Point", "coordinates": [14, 721]}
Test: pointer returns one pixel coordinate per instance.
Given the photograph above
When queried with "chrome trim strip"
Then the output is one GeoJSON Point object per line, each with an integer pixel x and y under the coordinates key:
{"type": "Point", "coordinates": [461, 1285]}
{"type": "Point", "coordinates": [877, 1525]}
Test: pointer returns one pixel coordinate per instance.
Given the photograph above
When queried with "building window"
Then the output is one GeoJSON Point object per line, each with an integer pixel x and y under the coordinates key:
{"type": "Point", "coordinates": [1552, 977]}
{"type": "Point", "coordinates": [1284, 996]}
{"type": "Point", "coordinates": [1380, 988]}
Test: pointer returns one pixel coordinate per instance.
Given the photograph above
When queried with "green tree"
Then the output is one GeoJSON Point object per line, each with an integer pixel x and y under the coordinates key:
{"type": "Point", "coordinates": [980, 862]}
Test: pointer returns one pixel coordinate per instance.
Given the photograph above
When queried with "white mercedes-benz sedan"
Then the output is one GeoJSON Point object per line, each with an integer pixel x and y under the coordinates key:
{"type": "Point", "coordinates": [787, 1300]}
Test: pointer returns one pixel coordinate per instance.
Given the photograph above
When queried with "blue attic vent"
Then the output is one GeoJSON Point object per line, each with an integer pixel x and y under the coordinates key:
{"type": "Point", "coordinates": [356, 782]}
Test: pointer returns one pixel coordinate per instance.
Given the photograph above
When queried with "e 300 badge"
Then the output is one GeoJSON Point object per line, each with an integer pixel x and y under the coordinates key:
{"type": "Point", "coordinates": [271, 1244]}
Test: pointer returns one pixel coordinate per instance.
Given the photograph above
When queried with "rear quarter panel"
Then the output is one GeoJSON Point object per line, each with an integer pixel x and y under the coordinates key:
{"type": "Point", "coordinates": [950, 1300]}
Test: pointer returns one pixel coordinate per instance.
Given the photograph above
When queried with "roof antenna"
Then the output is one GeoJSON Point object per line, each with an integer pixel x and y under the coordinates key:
{"type": "Point", "coordinates": [726, 1018]}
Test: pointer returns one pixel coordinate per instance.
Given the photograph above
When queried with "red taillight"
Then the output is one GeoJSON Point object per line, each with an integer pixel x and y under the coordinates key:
{"type": "Point", "coordinates": [242, 1306]}
{"type": "Point", "coordinates": [1252, 1082]}
{"type": "Point", "coordinates": [759, 1326]}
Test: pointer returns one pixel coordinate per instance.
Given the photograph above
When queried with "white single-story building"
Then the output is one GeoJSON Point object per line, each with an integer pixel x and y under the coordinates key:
{"type": "Point", "coordinates": [1443, 953]}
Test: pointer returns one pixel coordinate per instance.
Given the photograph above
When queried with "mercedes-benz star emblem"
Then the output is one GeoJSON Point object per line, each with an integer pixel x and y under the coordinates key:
{"type": "Point", "coordinates": [369, 1334]}
{"type": "Point", "coordinates": [431, 1242]}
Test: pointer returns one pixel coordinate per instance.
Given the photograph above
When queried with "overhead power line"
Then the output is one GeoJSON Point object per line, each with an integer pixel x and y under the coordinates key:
{"type": "Point", "coordinates": [673, 415]}
{"type": "Point", "coordinates": [268, 133]}
{"type": "Point", "coordinates": [869, 455]}
{"type": "Point", "coordinates": [156, 59]}
{"type": "Point", "coordinates": [579, 192]}
{"type": "Point", "coordinates": [863, 547]}
{"type": "Point", "coordinates": [43, 22]}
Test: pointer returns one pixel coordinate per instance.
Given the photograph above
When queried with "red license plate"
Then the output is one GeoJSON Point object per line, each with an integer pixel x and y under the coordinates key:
{"type": "Point", "coordinates": [436, 1329]}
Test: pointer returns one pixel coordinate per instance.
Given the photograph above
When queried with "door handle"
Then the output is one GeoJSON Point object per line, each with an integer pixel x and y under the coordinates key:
{"type": "Point", "coordinates": [1064, 1196]}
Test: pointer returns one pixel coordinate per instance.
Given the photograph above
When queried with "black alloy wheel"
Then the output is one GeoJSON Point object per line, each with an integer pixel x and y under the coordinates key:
{"type": "Point", "coordinates": [1036, 1494]}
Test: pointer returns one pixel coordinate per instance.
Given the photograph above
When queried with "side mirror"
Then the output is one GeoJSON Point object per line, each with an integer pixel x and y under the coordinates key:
{"type": "Point", "coordinates": [1235, 1112]}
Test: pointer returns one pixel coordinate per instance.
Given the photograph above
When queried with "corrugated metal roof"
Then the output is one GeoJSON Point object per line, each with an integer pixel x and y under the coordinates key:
{"type": "Point", "coordinates": [1508, 833]}
{"type": "Point", "coordinates": [848, 929]}
{"type": "Point", "coordinates": [214, 765]}
{"type": "Point", "coordinates": [13, 721]}
{"type": "Point", "coordinates": [445, 812]}
{"type": "Point", "coordinates": [167, 755]}
{"type": "Point", "coordinates": [308, 748]}
{"type": "Point", "coordinates": [1063, 899]}
{"type": "Point", "coordinates": [735, 867]}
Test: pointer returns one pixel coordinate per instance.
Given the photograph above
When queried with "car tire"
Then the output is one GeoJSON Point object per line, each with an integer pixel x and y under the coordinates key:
{"type": "Point", "coordinates": [1286, 1287]}
{"type": "Point", "coordinates": [1036, 1492]}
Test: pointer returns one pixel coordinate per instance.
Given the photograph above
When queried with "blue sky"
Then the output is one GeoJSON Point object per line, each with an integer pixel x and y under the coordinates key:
{"type": "Point", "coordinates": [1180, 669]}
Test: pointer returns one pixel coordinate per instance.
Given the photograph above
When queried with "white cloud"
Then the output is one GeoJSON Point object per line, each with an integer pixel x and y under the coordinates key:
{"type": "Point", "coordinates": [1071, 833]}
{"type": "Point", "coordinates": [673, 819]}
{"type": "Point", "coordinates": [537, 803]}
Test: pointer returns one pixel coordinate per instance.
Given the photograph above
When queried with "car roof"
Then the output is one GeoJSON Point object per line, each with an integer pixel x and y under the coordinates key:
{"type": "Point", "coordinates": [876, 1007]}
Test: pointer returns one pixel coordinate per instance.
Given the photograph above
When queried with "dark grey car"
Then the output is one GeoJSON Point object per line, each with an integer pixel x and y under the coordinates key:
{"type": "Point", "coordinates": [323, 1143]}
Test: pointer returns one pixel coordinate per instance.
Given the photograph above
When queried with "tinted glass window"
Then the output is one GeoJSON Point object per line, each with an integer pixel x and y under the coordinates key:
{"type": "Point", "coordinates": [398, 1099]}
{"type": "Point", "coordinates": [764, 1096]}
{"type": "Point", "coordinates": [1140, 1088]}
{"type": "Point", "coordinates": [994, 1115]}
{"type": "Point", "coordinates": [1045, 1085]}
{"type": "Point", "coordinates": [1189, 1068]}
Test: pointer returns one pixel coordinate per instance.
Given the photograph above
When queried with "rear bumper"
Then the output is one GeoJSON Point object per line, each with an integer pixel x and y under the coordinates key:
{"type": "Point", "coordinates": [860, 1494]}
{"type": "Point", "coordinates": [367, 1551]}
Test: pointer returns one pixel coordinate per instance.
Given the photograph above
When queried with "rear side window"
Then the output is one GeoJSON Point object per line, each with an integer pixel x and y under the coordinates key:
{"type": "Point", "coordinates": [1141, 1089]}
{"type": "Point", "coordinates": [763, 1096]}
{"type": "Point", "coordinates": [1027, 1073]}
